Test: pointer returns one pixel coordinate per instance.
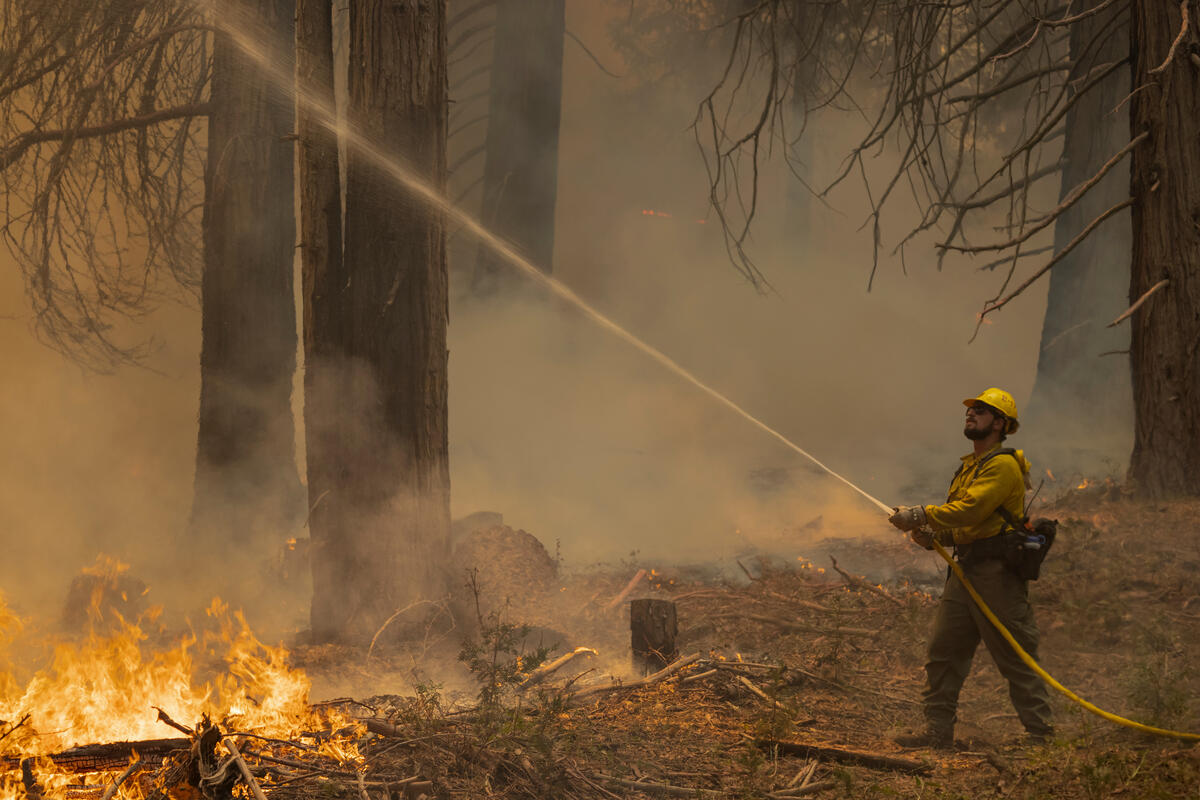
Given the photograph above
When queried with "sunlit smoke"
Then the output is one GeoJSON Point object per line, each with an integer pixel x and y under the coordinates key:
{"type": "Point", "coordinates": [277, 68]}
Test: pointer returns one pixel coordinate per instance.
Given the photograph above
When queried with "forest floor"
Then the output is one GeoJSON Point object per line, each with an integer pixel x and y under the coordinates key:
{"type": "Point", "coordinates": [797, 653]}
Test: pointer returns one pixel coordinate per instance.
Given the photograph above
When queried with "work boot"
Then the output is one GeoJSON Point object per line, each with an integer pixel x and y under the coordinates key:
{"type": "Point", "coordinates": [936, 738]}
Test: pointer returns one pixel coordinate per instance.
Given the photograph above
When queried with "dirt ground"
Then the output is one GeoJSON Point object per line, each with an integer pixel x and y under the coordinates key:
{"type": "Point", "coordinates": [795, 653]}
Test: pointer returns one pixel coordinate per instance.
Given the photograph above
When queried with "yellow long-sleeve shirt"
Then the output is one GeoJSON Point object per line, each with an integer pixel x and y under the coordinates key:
{"type": "Point", "coordinates": [969, 512]}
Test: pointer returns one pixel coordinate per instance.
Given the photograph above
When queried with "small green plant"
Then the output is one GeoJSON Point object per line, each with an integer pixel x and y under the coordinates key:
{"type": "Point", "coordinates": [499, 662]}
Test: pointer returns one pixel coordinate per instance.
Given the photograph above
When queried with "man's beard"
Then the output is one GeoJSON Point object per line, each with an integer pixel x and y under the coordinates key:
{"type": "Point", "coordinates": [976, 434]}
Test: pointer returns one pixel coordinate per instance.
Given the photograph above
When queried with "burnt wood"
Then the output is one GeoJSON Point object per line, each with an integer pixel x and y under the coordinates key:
{"type": "Point", "coordinates": [653, 627]}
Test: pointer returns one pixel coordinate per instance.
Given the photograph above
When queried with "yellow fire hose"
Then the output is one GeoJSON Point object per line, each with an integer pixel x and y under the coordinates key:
{"type": "Point", "coordinates": [1046, 676]}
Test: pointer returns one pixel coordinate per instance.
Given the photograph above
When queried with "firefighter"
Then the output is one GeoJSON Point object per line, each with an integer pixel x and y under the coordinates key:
{"type": "Point", "coordinates": [990, 477]}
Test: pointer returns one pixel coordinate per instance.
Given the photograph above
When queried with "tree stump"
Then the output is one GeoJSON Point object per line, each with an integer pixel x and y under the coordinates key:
{"type": "Point", "coordinates": [653, 628]}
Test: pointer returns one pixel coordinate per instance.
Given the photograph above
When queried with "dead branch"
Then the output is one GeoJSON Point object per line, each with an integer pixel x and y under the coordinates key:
{"type": "Point", "coordinates": [861, 583]}
{"type": "Point", "coordinates": [629, 587]}
{"type": "Point", "coordinates": [245, 770]}
{"type": "Point", "coordinates": [540, 674]}
{"type": "Point", "coordinates": [660, 788]}
{"type": "Point", "coordinates": [744, 681]}
{"type": "Point", "coordinates": [1138, 303]}
{"type": "Point", "coordinates": [1183, 29]}
{"type": "Point", "coordinates": [699, 676]}
{"type": "Point", "coordinates": [1059, 256]}
{"type": "Point", "coordinates": [30, 138]}
{"type": "Point", "coordinates": [1024, 254]}
{"type": "Point", "coordinates": [656, 677]}
{"type": "Point", "coordinates": [802, 791]}
{"type": "Point", "coordinates": [112, 788]}
{"type": "Point", "coordinates": [1070, 200]}
{"type": "Point", "coordinates": [23, 720]}
{"type": "Point", "coordinates": [827, 753]}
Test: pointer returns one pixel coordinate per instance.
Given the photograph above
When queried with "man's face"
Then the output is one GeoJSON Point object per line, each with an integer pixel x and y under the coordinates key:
{"type": "Point", "coordinates": [980, 422]}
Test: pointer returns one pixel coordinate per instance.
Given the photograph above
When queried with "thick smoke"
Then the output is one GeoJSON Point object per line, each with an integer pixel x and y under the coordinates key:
{"type": "Point", "coordinates": [555, 424]}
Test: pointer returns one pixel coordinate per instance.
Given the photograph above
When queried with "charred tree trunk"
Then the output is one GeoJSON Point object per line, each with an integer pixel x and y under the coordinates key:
{"type": "Point", "coordinates": [1088, 287]}
{"type": "Point", "coordinates": [246, 483]}
{"type": "Point", "coordinates": [1165, 340]}
{"type": "Point", "coordinates": [377, 412]}
{"type": "Point", "coordinates": [520, 174]}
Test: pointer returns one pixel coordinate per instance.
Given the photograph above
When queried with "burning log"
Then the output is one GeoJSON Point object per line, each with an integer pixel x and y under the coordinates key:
{"type": "Point", "coordinates": [104, 757]}
{"type": "Point", "coordinates": [653, 627]}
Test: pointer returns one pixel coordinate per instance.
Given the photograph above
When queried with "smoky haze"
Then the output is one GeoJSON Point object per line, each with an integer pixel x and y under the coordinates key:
{"type": "Point", "coordinates": [568, 432]}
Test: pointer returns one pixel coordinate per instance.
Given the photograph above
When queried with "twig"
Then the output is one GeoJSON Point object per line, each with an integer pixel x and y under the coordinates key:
{"type": "Point", "coordinates": [245, 769]}
{"type": "Point", "coordinates": [4, 735]}
{"type": "Point", "coordinates": [111, 789]}
{"type": "Point", "coordinates": [1138, 303]}
{"type": "Point", "coordinates": [863, 584]}
{"type": "Point", "coordinates": [616, 601]}
{"type": "Point", "coordinates": [803, 775]}
{"type": "Point", "coordinates": [389, 621]}
{"type": "Point", "coordinates": [541, 672]}
{"type": "Point", "coordinates": [590, 54]}
{"type": "Point", "coordinates": [362, 787]}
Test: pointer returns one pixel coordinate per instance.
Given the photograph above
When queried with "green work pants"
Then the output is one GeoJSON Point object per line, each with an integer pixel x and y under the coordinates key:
{"type": "Point", "coordinates": [957, 629]}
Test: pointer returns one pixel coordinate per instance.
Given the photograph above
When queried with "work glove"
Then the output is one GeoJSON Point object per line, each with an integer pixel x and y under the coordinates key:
{"type": "Point", "coordinates": [908, 518]}
{"type": "Point", "coordinates": [925, 538]}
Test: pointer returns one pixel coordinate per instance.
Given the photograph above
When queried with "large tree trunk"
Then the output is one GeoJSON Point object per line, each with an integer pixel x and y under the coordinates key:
{"type": "Point", "coordinates": [247, 486]}
{"type": "Point", "coordinates": [520, 174]}
{"type": "Point", "coordinates": [378, 412]}
{"type": "Point", "coordinates": [1088, 287]}
{"type": "Point", "coordinates": [1165, 341]}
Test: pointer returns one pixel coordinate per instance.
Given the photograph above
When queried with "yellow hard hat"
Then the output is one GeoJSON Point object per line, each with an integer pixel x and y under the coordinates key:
{"type": "Point", "coordinates": [1000, 400]}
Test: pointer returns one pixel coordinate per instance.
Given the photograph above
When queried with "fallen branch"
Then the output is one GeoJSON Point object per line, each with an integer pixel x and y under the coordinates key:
{"type": "Point", "coordinates": [802, 791]}
{"type": "Point", "coordinates": [804, 775]}
{"type": "Point", "coordinates": [656, 677]}
{"type": "Point", "coordinates": [861, 583]}
{"type": "Point", "coordinates": [112, 788]}
{"type": "Point", "coordinates": [539, 674]}
{"type": "Point", "coordinates": [660, 788]}
{"type": "Point", "coordinates": [629, 587]}
{"type": "Point", "coordinates": [245, 769]}
{"type": "Point", "coordinates": [699, 676]}
{"type": "Point", "coordinates": [1138, 303]}
{"type": "Point", "coordinates": [744, 681]}
{"type": "Point", "coordinates": [875, 760]}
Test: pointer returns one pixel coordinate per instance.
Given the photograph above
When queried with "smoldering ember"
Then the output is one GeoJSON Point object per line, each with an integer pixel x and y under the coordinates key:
{"type": "Point", "coordinates": [599, 399]}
